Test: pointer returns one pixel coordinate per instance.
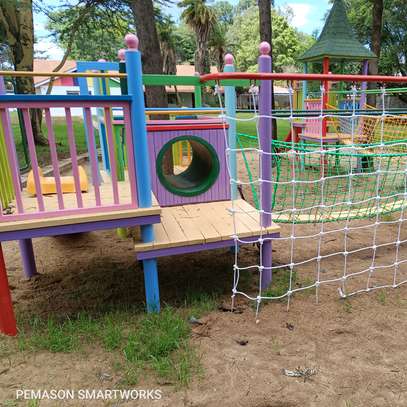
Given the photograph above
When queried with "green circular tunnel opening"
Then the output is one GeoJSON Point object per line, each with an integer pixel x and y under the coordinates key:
{"type": "Point", "coordinates": [187, 165]}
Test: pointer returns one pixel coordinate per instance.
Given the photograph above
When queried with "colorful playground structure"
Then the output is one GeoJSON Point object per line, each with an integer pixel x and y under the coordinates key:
{"type": "Point", "coordinates": [185, 180]}
{"type": "Point", "coordinates": [169, 177]}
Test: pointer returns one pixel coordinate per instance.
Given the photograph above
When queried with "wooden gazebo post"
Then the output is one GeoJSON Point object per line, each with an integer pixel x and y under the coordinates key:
{"type": "Point", "coordinates": [325, 70]}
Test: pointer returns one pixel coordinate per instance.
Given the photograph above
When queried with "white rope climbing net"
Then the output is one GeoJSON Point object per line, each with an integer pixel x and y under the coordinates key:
{"type": "Point", "coordinates": [354, 254]}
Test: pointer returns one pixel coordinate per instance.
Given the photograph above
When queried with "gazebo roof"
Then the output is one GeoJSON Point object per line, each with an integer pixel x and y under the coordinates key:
{"type": "Point", "coordinates": [337, 40]}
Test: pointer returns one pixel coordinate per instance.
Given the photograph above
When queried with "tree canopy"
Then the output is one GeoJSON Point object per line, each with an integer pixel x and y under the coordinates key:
{"type": "Point", "coordinates": [393, 58]}
{"type": "Point", "coordinates": [244, 38]}
{"type": "Point", "coordinates": [103, 28]}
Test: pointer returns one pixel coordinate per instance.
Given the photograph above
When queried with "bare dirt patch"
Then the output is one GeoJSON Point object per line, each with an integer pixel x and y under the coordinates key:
{"type": "Point", "coordinates": [356, 346]}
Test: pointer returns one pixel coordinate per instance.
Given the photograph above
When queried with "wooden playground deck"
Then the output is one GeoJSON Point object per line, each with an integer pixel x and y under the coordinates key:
{"type": "Point", "coordinates": [70, 201]}
{"type": "Point", "coordinates": [196, 227]}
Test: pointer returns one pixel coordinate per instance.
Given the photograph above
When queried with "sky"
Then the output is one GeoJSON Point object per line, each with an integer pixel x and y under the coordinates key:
{"type": "Point", "coordinates": [307, 17]}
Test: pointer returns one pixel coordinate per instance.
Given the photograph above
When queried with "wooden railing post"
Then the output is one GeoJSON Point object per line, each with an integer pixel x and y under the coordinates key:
{"type": "Point", "coordinates": [265, 140]}
{"type": "Point", "coordinates": [230, 105]}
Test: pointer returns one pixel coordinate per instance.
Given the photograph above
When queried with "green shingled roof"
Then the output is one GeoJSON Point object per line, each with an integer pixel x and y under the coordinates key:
{"type": "Point", "coordinates": [337, 40]}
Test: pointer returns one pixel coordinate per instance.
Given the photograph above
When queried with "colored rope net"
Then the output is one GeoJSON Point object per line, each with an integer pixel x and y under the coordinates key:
{"type": "Point", "coordinates": [340, 200]}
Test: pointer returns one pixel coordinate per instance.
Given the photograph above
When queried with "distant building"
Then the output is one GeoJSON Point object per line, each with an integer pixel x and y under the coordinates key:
{"type": "Point", "coordinates": [70, 86]}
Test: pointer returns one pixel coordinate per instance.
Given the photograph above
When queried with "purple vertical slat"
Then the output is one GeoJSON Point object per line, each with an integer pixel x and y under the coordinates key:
{"type": "Point", "coordinates": [220, 153]}
{"type": "Point", "coordinates": [151, 152]}
{"type": "Point", "coordinates": [74, 157]}
{"type": "Point", "coordinates": [213, 192]}
{"type": "Point", "coordinates": [112, 154]}
{"type": "Point", "coordinates": [176, 199]}
{"type": "Point", "coordinates": [131, 168]}
{"type": "Point", "coordinates": [12, 158]}
{"type": "Point", "coordinates": [153, 156]}
{"type": "Point", "coordinates": [33, 158]}
{"type": "Point", "coordinates": [365, 71]}
{"type": "Point", "coordinates": [92, 155]}
{"type": "Point", "coordinates": [54, 158]}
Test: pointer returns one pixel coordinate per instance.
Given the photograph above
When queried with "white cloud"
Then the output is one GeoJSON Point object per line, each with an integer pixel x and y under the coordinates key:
{"type": "Point", "coordinates": [301, 14]}
{"type": "Point", "coordinates": [50, 49]}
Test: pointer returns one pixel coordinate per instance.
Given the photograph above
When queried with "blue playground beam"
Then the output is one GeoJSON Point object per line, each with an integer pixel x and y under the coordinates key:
{"type": "Point", "coordinates": [142, 160]}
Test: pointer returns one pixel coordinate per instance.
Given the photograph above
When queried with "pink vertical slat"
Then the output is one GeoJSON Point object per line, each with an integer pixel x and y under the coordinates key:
{"type": "Point", "coordinates": [74, 157]}
{"type": "Point", "coordinates": [92, 155]}
{"type": "Point", "coordinates": [12, 158]}
{"type": "Point", "coordinates": [112, 154]}
{"type": "Point", "coordinates": [131, 169]}
{"type": "Point", "coordinates": [33, 158]}
{"type": "Point", "coordinates": [54, 158]}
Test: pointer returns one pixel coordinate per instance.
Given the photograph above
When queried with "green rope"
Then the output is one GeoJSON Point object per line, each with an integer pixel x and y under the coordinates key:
{"type": "Point", "coordinates": [356, 164]}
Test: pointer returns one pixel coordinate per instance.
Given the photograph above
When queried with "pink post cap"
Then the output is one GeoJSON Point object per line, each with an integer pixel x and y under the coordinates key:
{"type": "Point", "coordinates": [131, 41]}
{"type": "Point", "coordinates": [264, 48]}
{"type": "Point", "coordinates": [229, 60]}
{"type": "Point", "coordinates": [121, 54]}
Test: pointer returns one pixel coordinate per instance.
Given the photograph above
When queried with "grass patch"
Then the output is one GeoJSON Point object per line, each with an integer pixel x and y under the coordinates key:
{"type": "Point", "coordinates": [158, 343]}
{"type": "Point", "coordinates": [381, 297]}
{"type": "Point", "coordinates": [161, 342]}
{"type": "Point", "coordinates": [53, 336]}
{"type": "Point", "coordinates": [249, 127]}
{"type": "Point", "coordinates": [200, 304]}
{"type": "Point", "coordinates": [156, 336]}
{"type": "Point", "coordinates": [281, 283]}
{"type": "Point", "coordinates": [61, 139]}
{"type": "Point", "coordinates": [347, 306]}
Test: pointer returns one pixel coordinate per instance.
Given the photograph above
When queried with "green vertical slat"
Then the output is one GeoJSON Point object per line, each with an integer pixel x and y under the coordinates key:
{"type": "Point", "coordinates": [198, 96]}
{"type": "Point", "coordinates": [6, 183]}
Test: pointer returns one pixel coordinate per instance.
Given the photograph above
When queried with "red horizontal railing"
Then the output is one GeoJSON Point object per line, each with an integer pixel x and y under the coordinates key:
{"type": "Point", "coordinates": [302, 77]}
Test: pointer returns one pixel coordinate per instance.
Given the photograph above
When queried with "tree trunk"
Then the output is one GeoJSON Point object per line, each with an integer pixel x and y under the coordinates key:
{"type": "Point", "coordinates": [16, 19]}
{"type": "Point", "coordinates": [143, 12]}
{"type": "Point", "coordinates": [202, 64]}
{"type": "Point", "coordinates": [266, 34]}
{"type": "Point", "coordinates": [377, 25]}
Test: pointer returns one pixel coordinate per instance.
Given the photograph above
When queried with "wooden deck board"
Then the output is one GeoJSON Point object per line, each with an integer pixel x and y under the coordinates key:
{"type": "Point", "coordinates": [175, 234]}
{"type": "Point", "coordinates": [207, 229]}
{"type": "Point", "coordinates": [188, 225]}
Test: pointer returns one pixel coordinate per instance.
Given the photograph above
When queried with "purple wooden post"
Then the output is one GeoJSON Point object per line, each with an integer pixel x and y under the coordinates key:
{"type": "Point", "coordinates": [27, 255]}
{"type": "Point", "coordinates": [365, 71]}
{"type": "Point", "coordinates": [265, 140]}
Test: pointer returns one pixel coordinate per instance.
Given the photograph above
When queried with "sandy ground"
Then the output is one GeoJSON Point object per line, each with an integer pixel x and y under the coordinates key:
{"type": "Point", "coordinates": [357, 347]}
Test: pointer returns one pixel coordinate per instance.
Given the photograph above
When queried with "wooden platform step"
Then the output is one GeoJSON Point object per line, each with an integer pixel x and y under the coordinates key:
{"type": "Point", "coordinates": [205, 223]}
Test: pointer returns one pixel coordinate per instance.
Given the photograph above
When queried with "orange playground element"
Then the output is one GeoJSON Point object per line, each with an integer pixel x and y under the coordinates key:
{"type": "Point", "coordinates": [48, 184]}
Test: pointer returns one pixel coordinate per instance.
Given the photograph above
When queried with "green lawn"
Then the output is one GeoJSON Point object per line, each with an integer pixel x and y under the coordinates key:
{"type": "Point", "coordinates": [61, 138]}
{"type": "Point", "coordinates": [249, 127]}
